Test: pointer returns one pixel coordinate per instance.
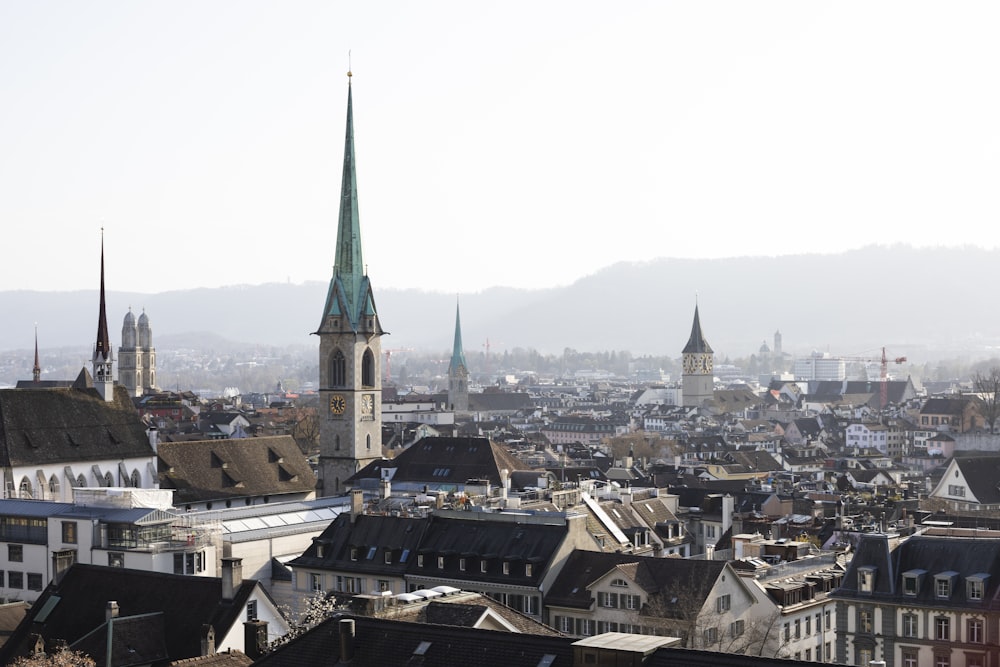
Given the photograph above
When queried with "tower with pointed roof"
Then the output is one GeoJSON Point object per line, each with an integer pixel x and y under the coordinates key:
{"type": "Point", "coordinates": [129, 375]}
{"type": "Point", "coordinates": [146, 353]}
{"type": "Point", "coordinates": [350, 349]}
{"type": "Point", "coordinates": [458, 371]}
{"type": "Point", "coordinates": [103, 359]}
{"type": "Point", "coordinates": [697, 364]}
{"type": "Point", "coordinates": [36, 370]}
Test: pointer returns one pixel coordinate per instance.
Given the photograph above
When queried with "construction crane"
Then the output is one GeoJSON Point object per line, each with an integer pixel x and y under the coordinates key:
{"type": "Point", "coordinates": [883, 375]}
{"type": "Point", "coordinates": [388, 361]}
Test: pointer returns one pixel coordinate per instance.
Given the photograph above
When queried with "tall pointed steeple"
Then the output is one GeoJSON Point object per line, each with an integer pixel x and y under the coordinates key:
{"type": "Point", "coordinates": [350, 291]}
{"type": "Point", "coordinates": [350, 351]}
{"type": "Point", "coordinates": [36, 370]}
{"type": "Point", "coordinates": [457, 353]}
{"type": "Point", "coordinates": [697, 343]}
{"type": "Point", "coordinates": [103, 360]}
{"type": "Point", "coordinates": [458, 371]}
{"type": "Point", "coordinates": [697, 361]}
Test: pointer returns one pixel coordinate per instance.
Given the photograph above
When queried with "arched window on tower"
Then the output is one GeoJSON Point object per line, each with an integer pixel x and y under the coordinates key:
{"type": "Point", "coordinates": [136, 479]}
{"type": "Point", "coordinates": [336, 443]}
{"type": "Point", "coordinates": [368, 441]}
{"type": "Point", "coordinates": [368, 369]}
{"type": "Point", "coordinates": [338, 369]}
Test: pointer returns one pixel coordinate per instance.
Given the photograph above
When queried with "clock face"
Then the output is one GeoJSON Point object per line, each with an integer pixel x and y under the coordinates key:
{"type": "Point", "coordinates": [338, 404]}
{"type": "Point", "coordinates": [367, 404]}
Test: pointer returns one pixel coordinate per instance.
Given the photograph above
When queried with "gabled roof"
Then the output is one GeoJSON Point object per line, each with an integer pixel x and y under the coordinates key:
{"type": "Point", "coordinates": [68, 425]}
{"type": "Point", "coordinates": [202, 470]}
{"type": "Point", "coordinates": [654, 575]}
{"type": "Point", "coordinates": [982, 474]}
{"type": "Point", "coordinates": [76, 606]}
{"type": "Point", "coordinates": [441, 461]}
{"type": "Point", "coordinates": [365, 544]}
{"type": "Point", "coordinates": [945, 406]}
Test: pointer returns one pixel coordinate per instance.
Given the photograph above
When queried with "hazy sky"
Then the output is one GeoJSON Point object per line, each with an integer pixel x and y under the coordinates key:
{"type": "Point", "coordinates": [516, 143]}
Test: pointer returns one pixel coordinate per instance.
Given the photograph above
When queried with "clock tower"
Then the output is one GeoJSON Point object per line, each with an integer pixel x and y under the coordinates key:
{"type": "Point", "coordinates": [697, 378]}
{"type": "Point", "coordinates": [350, 350]}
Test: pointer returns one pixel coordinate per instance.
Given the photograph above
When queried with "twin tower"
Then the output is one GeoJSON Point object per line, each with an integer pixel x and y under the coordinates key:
{"type": "Point", "coordinates": [350, 350]}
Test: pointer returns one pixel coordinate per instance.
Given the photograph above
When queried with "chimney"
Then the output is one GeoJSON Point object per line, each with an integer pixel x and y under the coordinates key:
{"type": "Point", "coordinates": [111, 611]}
{"type": "Point", "coordinates": [357, 504]}
{"type": "Point", "coordinates": [232, 577]}
{"type": "Point", "coordinates": [207, 640]}
{"type": "Point", "coordinates": [154, 438]}
{"type": "Point", "coordinates": [728, 506]}
{"type": "Point", "coordinates": [709, 552]}
{"type": "Point", "coordinates": [346, 640]}
{"type": "Point", "coordinates": [386, 488]}
{"type": "Point", "coordinates": [254, 638]}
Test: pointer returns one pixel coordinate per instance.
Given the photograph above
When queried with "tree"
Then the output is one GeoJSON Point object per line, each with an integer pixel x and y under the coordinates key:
{"type": "Point", "coordinates": [986, 385]}
{"type": "Point", "coordinates": [306, 430]}
{"type": "Point", "coordinates": [315, 609]}
{"type": "Point", "coordinates": [61, 658]}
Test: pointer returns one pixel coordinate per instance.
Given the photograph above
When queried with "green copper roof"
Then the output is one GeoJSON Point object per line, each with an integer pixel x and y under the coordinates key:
{"type": "Point", "coordinates": [350, 292]}
{"type": "Point", "coordinates": [457, 353]}
{"type": "Point", "coordinates": [697, 343]}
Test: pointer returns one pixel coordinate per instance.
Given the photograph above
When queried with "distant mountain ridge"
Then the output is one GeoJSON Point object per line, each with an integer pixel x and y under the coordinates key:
{"type": "Point", "coordinates": [909, 300]}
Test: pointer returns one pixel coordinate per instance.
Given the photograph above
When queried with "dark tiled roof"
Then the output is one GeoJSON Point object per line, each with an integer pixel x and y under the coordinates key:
{"type": "Point", "coordinates": [945, 406]}
{"type": "Point", "coordinates": [347, 544]}
{"type": "Point", "coordinates": [80, 599]}
{"type": "Point", "coordinates": [68, 425]}
{"type": "Point", "coordinates": [655, 575]}
{"type": "Point", "coordinates": [439, 460]}
{"type": "Point", "coordinates": [225, 659]}
{"type": "Point", "coordinates": [500, 401]}
{"type": "Point", "coordinates": [982, 473]}
{"type": "Point", "coordinates": [233, 468]}
{"type": "Point", "coordinates": [136, 640]}
{"type": "Point", "coordinates": [964, 556]}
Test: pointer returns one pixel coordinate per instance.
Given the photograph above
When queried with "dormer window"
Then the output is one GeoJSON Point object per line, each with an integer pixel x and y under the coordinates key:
{"type": "Point", "coordinates": [420, 560]}
{"type": "Point", "coordinates": [975, 587]}
{"type": "Point", "coordinates": [912, 579]}
{"type": "Point", "coordinates": [482, 566]}
{"type": "Point", "coordinates": [440, 562]}
{"type": "Point", "coordinates": [354, 553]}
{"type": "Point", "coordinates": [943, 584]}
{"type": "Point", "coordinates": [527, 569]}
{"type": "Point", "coordinates": [506, 567]}
{"type": "Point", "coordinates": [866, 579]}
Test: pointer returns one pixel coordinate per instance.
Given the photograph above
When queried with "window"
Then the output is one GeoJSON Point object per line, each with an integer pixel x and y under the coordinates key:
{"type": "Point", "coordinates": [956, 490]}
{"type": "Point", "coordinates": [606, 599]}
{"type": "Point", "coordinates": [942, 660]}
{"type": "Point", "coordinates": [461, 565]}
{"type": "Point", "coordinates": [736, 628]}
{"type": "Point", "coordinates": [116, 559]}
{"type": "Point", "coordinates": [619, 583]}
{"type": "Point", "coordinates": [788, 632]}
{"type": "Point", "coordinates": [723, 603]}
{"type": "Point", "coordinates": [315, 582]}
{"type": "Point", "coordinates": [368, 369]}
{"type": "Point", "coordinates": [354, 553]}
{"type": "Point", "coordinates": [864, 657]}
{"type": "Point", "coordinates": [506, 567]}
{"type": "Point", "coordinates": [338, 369]}
{"type": "Point", "coordinates": [975, 630]}
{"type": "Point", "coordinates": [388, 557]}
{"type": "Point", "coordinates": [974, 660]}
{"type": "Point", "coordinates": [15, 553]}
{"type": "Point", "coordinates": [34, 581]}
{"type": "Point", "coordinates": [482, 566]}
{"type": "Point", "coordinates": [808, 625]}
{"type": "Point", "coordinates": [711, 635]}
{"type": "Point", "coordinates": [942, 587]}
{"type": "Point", "coordinates": [420, 560]}
{"type": "Point", "coordinates": [911, 582]}
{"type": "Point", "coordinates": [527, 569]}
{"type": "Point", "coordinates": [440, 562]}
{"type": "Point", "coordinates": [909, 657]}
{"type": "Point", "coordinates": [798, 629]}
{"type": "Point", "coordinates": [252, 610]}
{"type": "Point", "coordinates": [15, 579]}
{"type": "Point", "coordinates": [371, 552]}
{"type": "Point", "coordinates": [866, 579]}
{"type": "Point", "coordinates": [974, 587]}
{"type": "Point", "coordinates": [942, 628]}
{"type": "Point", "coordinates": [910, 625]}
{"type": "Point", "coordinates": [826, 619]}
{"type": "Point", "coordinates": [69, 532]}
{"type": "Point", "coordinates": [865, 621]}
{"type": "Point", "coordinates": [383, 586]}
{"type": "Point", "coordinates": [565, 624]}
{"type": "Point", "coordinates": [632, 601]}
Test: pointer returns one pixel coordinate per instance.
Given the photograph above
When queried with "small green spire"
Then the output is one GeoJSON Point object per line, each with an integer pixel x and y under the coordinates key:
{"type": "Point", "coordinates": [349, 266]}
{"type": "Point", "coordinates": [457, 353]}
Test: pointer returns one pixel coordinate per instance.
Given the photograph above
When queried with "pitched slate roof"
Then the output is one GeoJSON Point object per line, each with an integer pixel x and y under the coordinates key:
{"type": "Point", "coordinates": [945, 406]}
{"type": "Point", "coordinates": [366, 543]}
{"type": "Point", "coordinates": [76, 606]}
{"type": "Point", "coordinates": [65, 425]}
{"type": "Point", "coordinates": [982, 474]}
{"type": "Point", "coordinates": [930, 556]}
{"type": "Point", "coordinates": [464, 609]}
{"type": "Point", "coordinates": [440, 461]}
{"type": "Point", "coordinates": [202, 470]}
{"type": "Point", "coordinates": [655, 575]}
{"type": "Point", "coordinates": [379, 642]}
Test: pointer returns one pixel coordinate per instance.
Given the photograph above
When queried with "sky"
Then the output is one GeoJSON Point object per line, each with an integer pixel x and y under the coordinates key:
{"type": "Point", "coordinates": [522, 144]}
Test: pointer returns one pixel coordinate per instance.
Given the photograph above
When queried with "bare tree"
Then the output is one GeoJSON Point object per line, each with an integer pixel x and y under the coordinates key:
{"type": "Point", "coordinates": [306, 430]}
{"type": "Point", "coordinates": [986, 385]}
{"type": "Point", "coordinates": [61, 658]}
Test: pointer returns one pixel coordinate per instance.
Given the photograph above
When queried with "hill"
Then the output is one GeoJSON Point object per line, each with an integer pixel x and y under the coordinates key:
{"type": "Point", "coordinates": [917, 302]}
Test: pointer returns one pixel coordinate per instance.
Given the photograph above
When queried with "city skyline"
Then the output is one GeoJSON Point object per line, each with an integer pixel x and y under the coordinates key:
{"type": "Point", "coordinates": [521, 145]}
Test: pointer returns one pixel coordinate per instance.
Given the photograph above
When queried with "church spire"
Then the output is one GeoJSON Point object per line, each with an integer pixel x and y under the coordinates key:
{"type": "Point", "coordinates": [36, 371]}
{"type": "Point", "coordinates": [697, 343]}
{"type": "Point", "coordinates": [457, 353]}
{"type": "Point", "coordinates": [103, 358]}
{"type": "Point", "coordinates": [350, 291]}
